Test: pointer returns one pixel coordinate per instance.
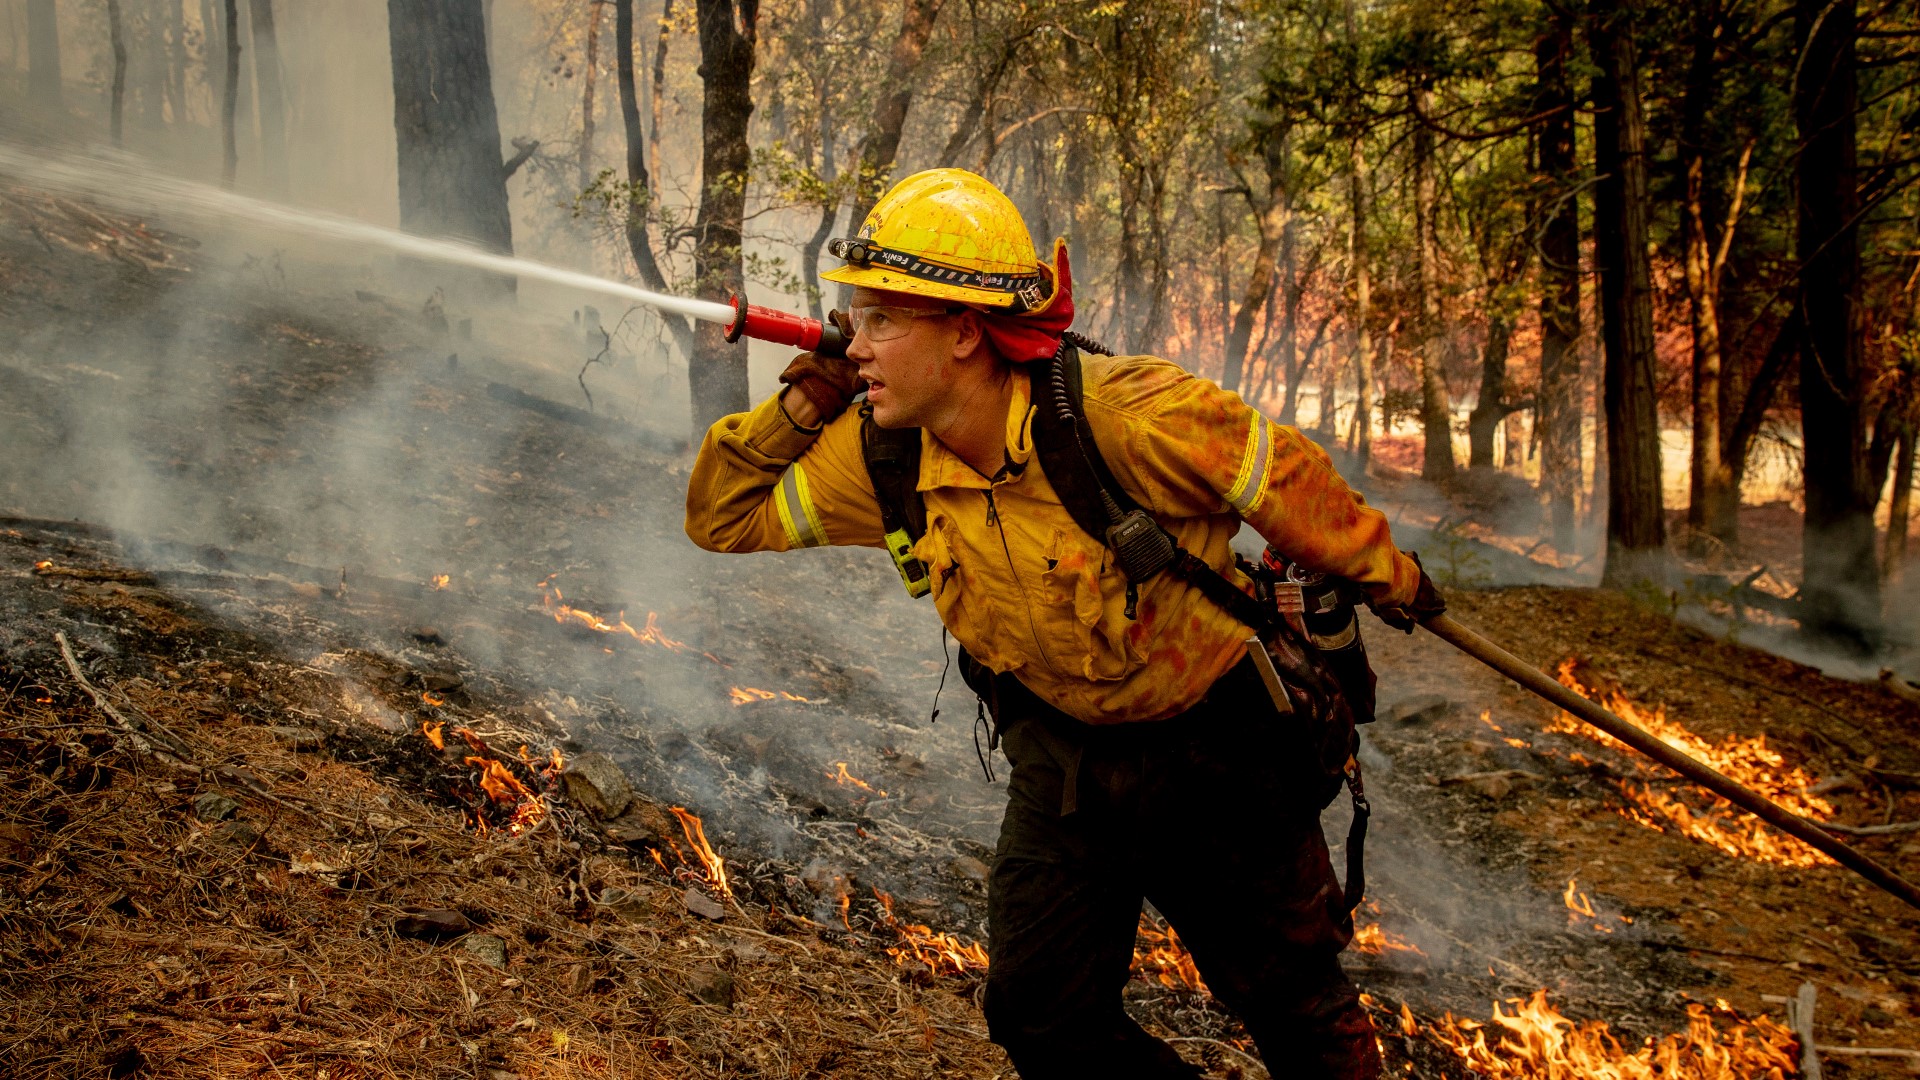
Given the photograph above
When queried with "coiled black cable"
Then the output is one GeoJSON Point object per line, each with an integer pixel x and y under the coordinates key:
{"type": "Point", "coordinates": [1063, 407]}
{"type": "Point", "coordinates": [1085, 344]}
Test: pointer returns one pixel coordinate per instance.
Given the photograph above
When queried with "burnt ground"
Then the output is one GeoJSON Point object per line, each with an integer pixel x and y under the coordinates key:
{"type": "Point", "coordinates": [276, 470]}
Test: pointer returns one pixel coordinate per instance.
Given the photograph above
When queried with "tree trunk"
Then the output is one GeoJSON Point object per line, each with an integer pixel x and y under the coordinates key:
{"type": "Point", "coordinates": [718, 372]}
{"type": "Point", "coordinates": [1840, 595]}
{"type": "Point", "coordinates": [1760, 395]}
{"type": "Point", "coordinates": [882, 141]}
{"type": "Point", "coordinates": [976, 109]}
{"type": "Point", "coordinates": [1272, 219]}
{"type": "Point", "coordinates": [1492, 406]}
{"type": "Point", "coordinates": [1326, 426]}
{"type": "Point", "coordinates": [117, 102]}
{"type": "Point", "coordinates": [213, 43]}
{"type": "Point", "coordinates": [1292, 289]}
{"type": "Point", "coordinates": [447, 131]}
{"type": "Point", "coordinates": [1362, 305]}
{"type": "Point", "coordinates": [1296, 371]}
{"type": "Point", "coordinates": [1635, 524]}
{"type": "Point", "coordinates": [43, 51]}
{"type": "Point", "coordinates": [230, 95]}
{"type": "Point", "coordinates": [147, 67]}
{"type": "Point", "coordinates": [656, 100]}
{"type": "Point", "coordinates": [829, 213]}
{"type": "Point", "coordinates": [1159, 309]}
{"type": "Point", "coordinates": [1713, 502]}
{"type": "Point", "coordinates": [1513, 454]}
{"type": "Point", "coordinates": [829, 169]}
{"type": "Point", "coordinates": [176, 60]}
{"type": "Point", "coordinates": [1557, 401]}
{"type": "Point", "coordinates": [1222, 290]}
{"type": "Point", "coordinates": [1899, 511]}
{"type": "Point", "coordinates": [271, 100]}
{"type": "Point", "coordinates": [639, 200]}
{"type": "Point", "coordinates": [1436, 412]}
{"type": "Point", "coordinates": [588, 81]}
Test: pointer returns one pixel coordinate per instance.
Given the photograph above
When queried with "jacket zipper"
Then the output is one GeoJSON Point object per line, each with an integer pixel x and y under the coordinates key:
{"type": "Point", "coordinates": [993, 516]}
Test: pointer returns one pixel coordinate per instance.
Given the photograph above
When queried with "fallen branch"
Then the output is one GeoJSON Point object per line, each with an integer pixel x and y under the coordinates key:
{"type": "Point", "coordinates": [1873, 830]}
{"type": "Point", "coordinates": [1902, 779]}
{"type": "Point", "coordinates": [1871, 1051]}
{"type": "Point", "coordinates": [1808, 832]}
{"type": "Point", "coordinates": [174, 744]}
{"type": "Point", "coordinates": [1800, 1019]}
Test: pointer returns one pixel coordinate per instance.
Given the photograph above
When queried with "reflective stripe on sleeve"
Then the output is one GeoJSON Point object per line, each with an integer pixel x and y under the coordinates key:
{"type": "Point", "coordinates": [1250, 485]}
{"type": "Point", "coordinates": [797, 513]}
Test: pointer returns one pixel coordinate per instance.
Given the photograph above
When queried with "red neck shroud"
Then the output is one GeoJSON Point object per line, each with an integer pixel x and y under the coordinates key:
{"type": "Point", "coordinates": [1024, 339]}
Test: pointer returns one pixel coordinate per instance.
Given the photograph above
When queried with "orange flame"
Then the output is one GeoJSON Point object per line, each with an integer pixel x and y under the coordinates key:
{"type": "Point", "coordinates": [432, 732]}
{"type": "Point", "coordinates": [710, 861]}
{"type": "Point", "coordinates": [441, 581]}
{"type": "Point", "coordinates": [500, 785]}
{"type": "Point", "coordinates": [432, 698]}
{"type": "Point", "coordinates": [1579, 906]}
{"type": "Point", "coordinates": [1373, 941]}
{"type": "Point", "coordinates": [527, 815]}
{"type": "Point", "coordinates": [554, 601]}
{"type": "Point", "coordinates": [841, 776]}
{"type": "Point", "coordinates": [1701, 815]}
{"type": "Point", "coordinates": [498, 781]}
{"type": "Point", "coordinates": [1158, 956]}
{"type": "Point", "coordinates": [1577, 902]}
{"type": "Point", "coordinates": [749, 695]}
{"type": "Point", "coordinates": [1536, 1042]}
{"type": "Point", "coordinates": [942, 953]}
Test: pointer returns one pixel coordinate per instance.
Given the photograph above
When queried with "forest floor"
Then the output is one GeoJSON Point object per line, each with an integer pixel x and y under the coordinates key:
{"type": "Point", "coordinates": [253, 893]}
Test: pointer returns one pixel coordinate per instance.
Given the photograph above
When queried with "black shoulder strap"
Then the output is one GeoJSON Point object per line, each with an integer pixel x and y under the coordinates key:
{"type": "Point", "coordinates": [1063, 439]}
{"type": "Point", "coordinates": [893, 464]}
{"type": "Point", "coordinates": [1060, 431]}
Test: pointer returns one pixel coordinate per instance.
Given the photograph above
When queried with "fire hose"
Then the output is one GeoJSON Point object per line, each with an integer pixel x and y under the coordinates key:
{"type": "Point", "coordinates": [769, 324]}
{"type": "Point", "coordinates": [784, 328]}
{"type": "Point", "coordinates": [1446, 629]}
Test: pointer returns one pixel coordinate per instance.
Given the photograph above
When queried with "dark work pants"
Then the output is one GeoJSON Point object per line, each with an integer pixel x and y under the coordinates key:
{"type": "Point", "coordinates": [1190, 814]}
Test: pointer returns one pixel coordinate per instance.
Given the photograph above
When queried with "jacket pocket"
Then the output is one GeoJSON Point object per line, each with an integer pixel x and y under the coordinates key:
{"type": "Point", "coordinates": [1086, 601]}
{"type": "Point", "coordinates": [968, 618]}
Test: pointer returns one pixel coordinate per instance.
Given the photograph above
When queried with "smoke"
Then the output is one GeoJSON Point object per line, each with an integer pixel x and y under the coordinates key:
{"type": "Point", "coordinates": [116, 180]}
{"type": "Point", "coordinates": [292, 395]}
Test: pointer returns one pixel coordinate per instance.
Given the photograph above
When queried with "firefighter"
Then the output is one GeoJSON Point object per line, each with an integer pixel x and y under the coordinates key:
{"type": "Point", "coordinates": [1147, 759]}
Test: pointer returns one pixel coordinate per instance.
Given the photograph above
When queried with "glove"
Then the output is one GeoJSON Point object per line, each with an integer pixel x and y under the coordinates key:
{"type": "Point", "coordinates": [830, 382]}
{"type": "Point", "coordinates": [1427, 603]}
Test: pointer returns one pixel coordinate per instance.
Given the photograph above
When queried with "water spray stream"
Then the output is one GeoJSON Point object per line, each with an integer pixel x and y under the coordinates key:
{"type": "Point", "coordinates": [126, 183]}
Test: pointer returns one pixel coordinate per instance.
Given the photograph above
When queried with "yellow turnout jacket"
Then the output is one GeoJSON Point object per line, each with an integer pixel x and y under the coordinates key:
{"type": "Point", "coordinates": [1018, 583]}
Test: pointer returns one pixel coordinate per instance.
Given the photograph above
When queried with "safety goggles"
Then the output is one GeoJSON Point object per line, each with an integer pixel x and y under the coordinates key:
{"type": "Point", "coordinates": [884, 322]}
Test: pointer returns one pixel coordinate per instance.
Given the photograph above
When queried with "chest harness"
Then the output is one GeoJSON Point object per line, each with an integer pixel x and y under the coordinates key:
{"type": "Point", "coordinates": [1306, 640]}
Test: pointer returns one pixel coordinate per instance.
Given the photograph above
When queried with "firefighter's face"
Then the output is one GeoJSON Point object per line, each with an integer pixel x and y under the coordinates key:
{"type": "Point", "coordinates": [911, 371]}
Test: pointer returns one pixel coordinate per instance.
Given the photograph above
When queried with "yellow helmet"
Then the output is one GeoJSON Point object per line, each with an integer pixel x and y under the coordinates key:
{"type": "Point", "coordinates": [951, 235]}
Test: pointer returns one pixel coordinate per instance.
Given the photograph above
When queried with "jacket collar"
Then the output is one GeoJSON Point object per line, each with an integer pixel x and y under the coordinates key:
{"type": "Point", "coordinates": [941, 467]}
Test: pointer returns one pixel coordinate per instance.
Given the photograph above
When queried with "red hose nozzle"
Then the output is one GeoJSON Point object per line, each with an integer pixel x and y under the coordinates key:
{"type": "Point", "coordinates": [783, 328]}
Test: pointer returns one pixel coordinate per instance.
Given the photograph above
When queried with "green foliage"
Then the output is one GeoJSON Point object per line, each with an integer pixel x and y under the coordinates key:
{"type": "Point", "coordinates": [1453, 558]}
